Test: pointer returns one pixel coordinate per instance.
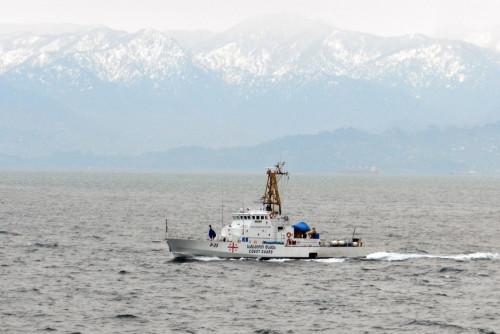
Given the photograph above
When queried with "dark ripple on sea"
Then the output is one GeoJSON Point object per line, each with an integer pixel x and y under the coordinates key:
{"type": "Point", "coordinates": [84, 253]}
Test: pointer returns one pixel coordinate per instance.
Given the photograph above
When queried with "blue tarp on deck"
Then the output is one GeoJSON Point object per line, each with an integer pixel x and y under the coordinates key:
{"type": "Point", "coordinates": [302, 226]}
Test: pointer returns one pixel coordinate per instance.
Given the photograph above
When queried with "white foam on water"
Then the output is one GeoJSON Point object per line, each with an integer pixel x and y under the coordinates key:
{"type": "Point", "coordinates": [279, 260]}
{"type": "Point", "coordinates": [332, 260]}
{"type": "Point", "coordinates": [474, 256]}
{"type": "Point", "coordinates": [207, 258]}
{"type": "Point", "coordinates": [387, 256]}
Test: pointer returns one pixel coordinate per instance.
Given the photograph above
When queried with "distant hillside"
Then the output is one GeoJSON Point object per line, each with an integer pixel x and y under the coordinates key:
{"type": "Point", "coordinates": [434, 151]}
{"type": "Point", "coordinates": [116, 93]}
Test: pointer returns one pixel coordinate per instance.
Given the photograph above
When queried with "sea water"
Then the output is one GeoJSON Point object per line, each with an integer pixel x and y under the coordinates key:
{"type": "Point", "coordinates": [84, 252]}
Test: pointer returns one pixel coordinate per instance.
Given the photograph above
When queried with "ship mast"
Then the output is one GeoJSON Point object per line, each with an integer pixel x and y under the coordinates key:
{"type": "Point", "coordinates": [271, 197]}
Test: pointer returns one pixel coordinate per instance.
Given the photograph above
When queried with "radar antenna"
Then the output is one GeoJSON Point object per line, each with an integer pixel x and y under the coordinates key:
{"type": "Point", "coordinates": [271, 197]}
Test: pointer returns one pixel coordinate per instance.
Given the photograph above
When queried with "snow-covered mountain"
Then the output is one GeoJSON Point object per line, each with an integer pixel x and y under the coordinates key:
{"type": "Point", "coordinates": [109, 56]}
{"type": "Point", "coordinates": [110, 91]}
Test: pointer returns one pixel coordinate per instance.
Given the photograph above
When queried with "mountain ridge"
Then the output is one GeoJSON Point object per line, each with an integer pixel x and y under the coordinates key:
{"type": "Point", "coordinates": [147, 91]}
{"type": "Point", "coordinates": [435, 151]}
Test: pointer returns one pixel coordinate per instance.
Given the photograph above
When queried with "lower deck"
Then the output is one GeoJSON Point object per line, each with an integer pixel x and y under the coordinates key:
{"type": "Point", "coordinates": [224, 249]}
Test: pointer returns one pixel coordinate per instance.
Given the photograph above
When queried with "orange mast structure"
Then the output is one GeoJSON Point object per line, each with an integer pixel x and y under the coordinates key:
{"type": "Point", "coordinates": [271, 197]}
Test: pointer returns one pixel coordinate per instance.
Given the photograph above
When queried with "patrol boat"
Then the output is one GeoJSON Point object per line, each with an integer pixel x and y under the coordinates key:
{"type": "Point", "coordinates": [265, 233]}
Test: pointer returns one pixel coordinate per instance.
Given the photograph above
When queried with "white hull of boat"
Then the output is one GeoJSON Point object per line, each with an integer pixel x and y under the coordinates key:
{"type": "Point", "coordinates": [224, 249]}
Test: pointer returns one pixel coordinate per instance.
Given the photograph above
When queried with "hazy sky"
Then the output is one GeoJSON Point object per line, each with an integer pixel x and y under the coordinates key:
{"type": "Point", "coordinates": [383, 17]}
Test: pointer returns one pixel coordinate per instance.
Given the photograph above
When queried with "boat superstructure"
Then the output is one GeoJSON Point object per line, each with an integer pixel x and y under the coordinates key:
{"type": "Point", "coordinates": [264, 232]}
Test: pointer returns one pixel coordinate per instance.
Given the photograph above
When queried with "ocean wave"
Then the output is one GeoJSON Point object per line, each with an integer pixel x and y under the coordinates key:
{"type": "Point", "coordinates": [46, 245]}
{"type": "Point", "coordinates": [443, 325]}
{"type": "Point", "coordinates": [125, 316]}
{"type": "Point", "coordinates": [387, 256]}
